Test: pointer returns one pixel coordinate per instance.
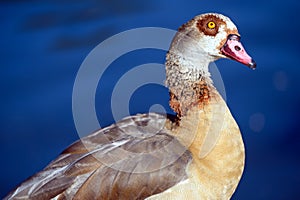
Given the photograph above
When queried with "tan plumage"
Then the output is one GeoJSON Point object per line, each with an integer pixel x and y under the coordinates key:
{"type": "Point", "coordinates": [197, 155]}
{"type": "Point", "coordinates": [218, 154]}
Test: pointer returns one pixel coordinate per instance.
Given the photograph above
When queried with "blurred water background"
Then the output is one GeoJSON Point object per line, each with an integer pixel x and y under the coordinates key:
{"type": "Point", "coordinates": [43, 44]}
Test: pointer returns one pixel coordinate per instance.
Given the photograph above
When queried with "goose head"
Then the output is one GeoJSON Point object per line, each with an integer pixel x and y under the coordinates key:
{"type": "Point", "coordinates": [202, 40]}
{"type": "Point", "coordinates": [208, 37]}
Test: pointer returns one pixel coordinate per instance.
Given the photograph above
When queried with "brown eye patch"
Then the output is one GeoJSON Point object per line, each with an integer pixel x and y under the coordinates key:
{"type": "Point", "coordinates": [204, 23]}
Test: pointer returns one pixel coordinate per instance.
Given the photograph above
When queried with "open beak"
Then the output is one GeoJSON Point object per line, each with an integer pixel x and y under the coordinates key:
{"type": "Point", "coordinates": [234, 49]}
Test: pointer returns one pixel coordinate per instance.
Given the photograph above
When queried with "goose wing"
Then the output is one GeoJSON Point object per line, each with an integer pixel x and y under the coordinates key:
{"type": "Point", "coordinates": [132, 159]}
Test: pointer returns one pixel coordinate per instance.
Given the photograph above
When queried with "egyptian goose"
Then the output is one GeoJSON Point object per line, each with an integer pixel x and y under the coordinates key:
{"type": "Point", "coordinates": [199, 154]}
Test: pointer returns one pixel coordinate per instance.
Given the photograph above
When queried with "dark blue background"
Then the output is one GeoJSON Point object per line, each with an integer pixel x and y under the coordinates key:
{"type": "Point", "coordinates": [43, 44]}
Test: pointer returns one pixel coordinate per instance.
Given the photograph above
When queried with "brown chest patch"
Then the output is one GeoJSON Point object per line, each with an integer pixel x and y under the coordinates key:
{"type": "Point", "coordinates": [202, 91]}
{"type": "Point", "coordinates": [174, 104]}
{"type": "Point", "coordinates": [201, 95]}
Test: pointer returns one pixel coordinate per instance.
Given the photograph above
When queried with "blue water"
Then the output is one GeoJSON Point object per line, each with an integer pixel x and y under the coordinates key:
{"type": "Point", "coordinates": [43, 44]}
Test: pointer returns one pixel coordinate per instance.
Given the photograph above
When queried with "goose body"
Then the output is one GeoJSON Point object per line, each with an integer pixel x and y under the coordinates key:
{"type": "Point", "coordinates": [199, 154]}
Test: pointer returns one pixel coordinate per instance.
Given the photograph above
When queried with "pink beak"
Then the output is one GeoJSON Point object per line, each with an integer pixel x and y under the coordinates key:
{"type": "Point", "coordinates": [234, 49]}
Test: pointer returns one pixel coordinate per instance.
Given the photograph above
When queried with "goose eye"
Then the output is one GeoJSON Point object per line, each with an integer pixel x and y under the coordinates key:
{"type": "Point", "coordinates": [211, 25]}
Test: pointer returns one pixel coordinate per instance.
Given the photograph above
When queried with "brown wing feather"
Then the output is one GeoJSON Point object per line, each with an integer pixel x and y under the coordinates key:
{"type": "Point", "coordinates": [132, 159]}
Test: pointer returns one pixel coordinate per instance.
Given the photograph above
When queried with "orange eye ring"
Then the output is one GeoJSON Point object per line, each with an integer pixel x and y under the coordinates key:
{"type": "Point", "coordinates": [211, 25]}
